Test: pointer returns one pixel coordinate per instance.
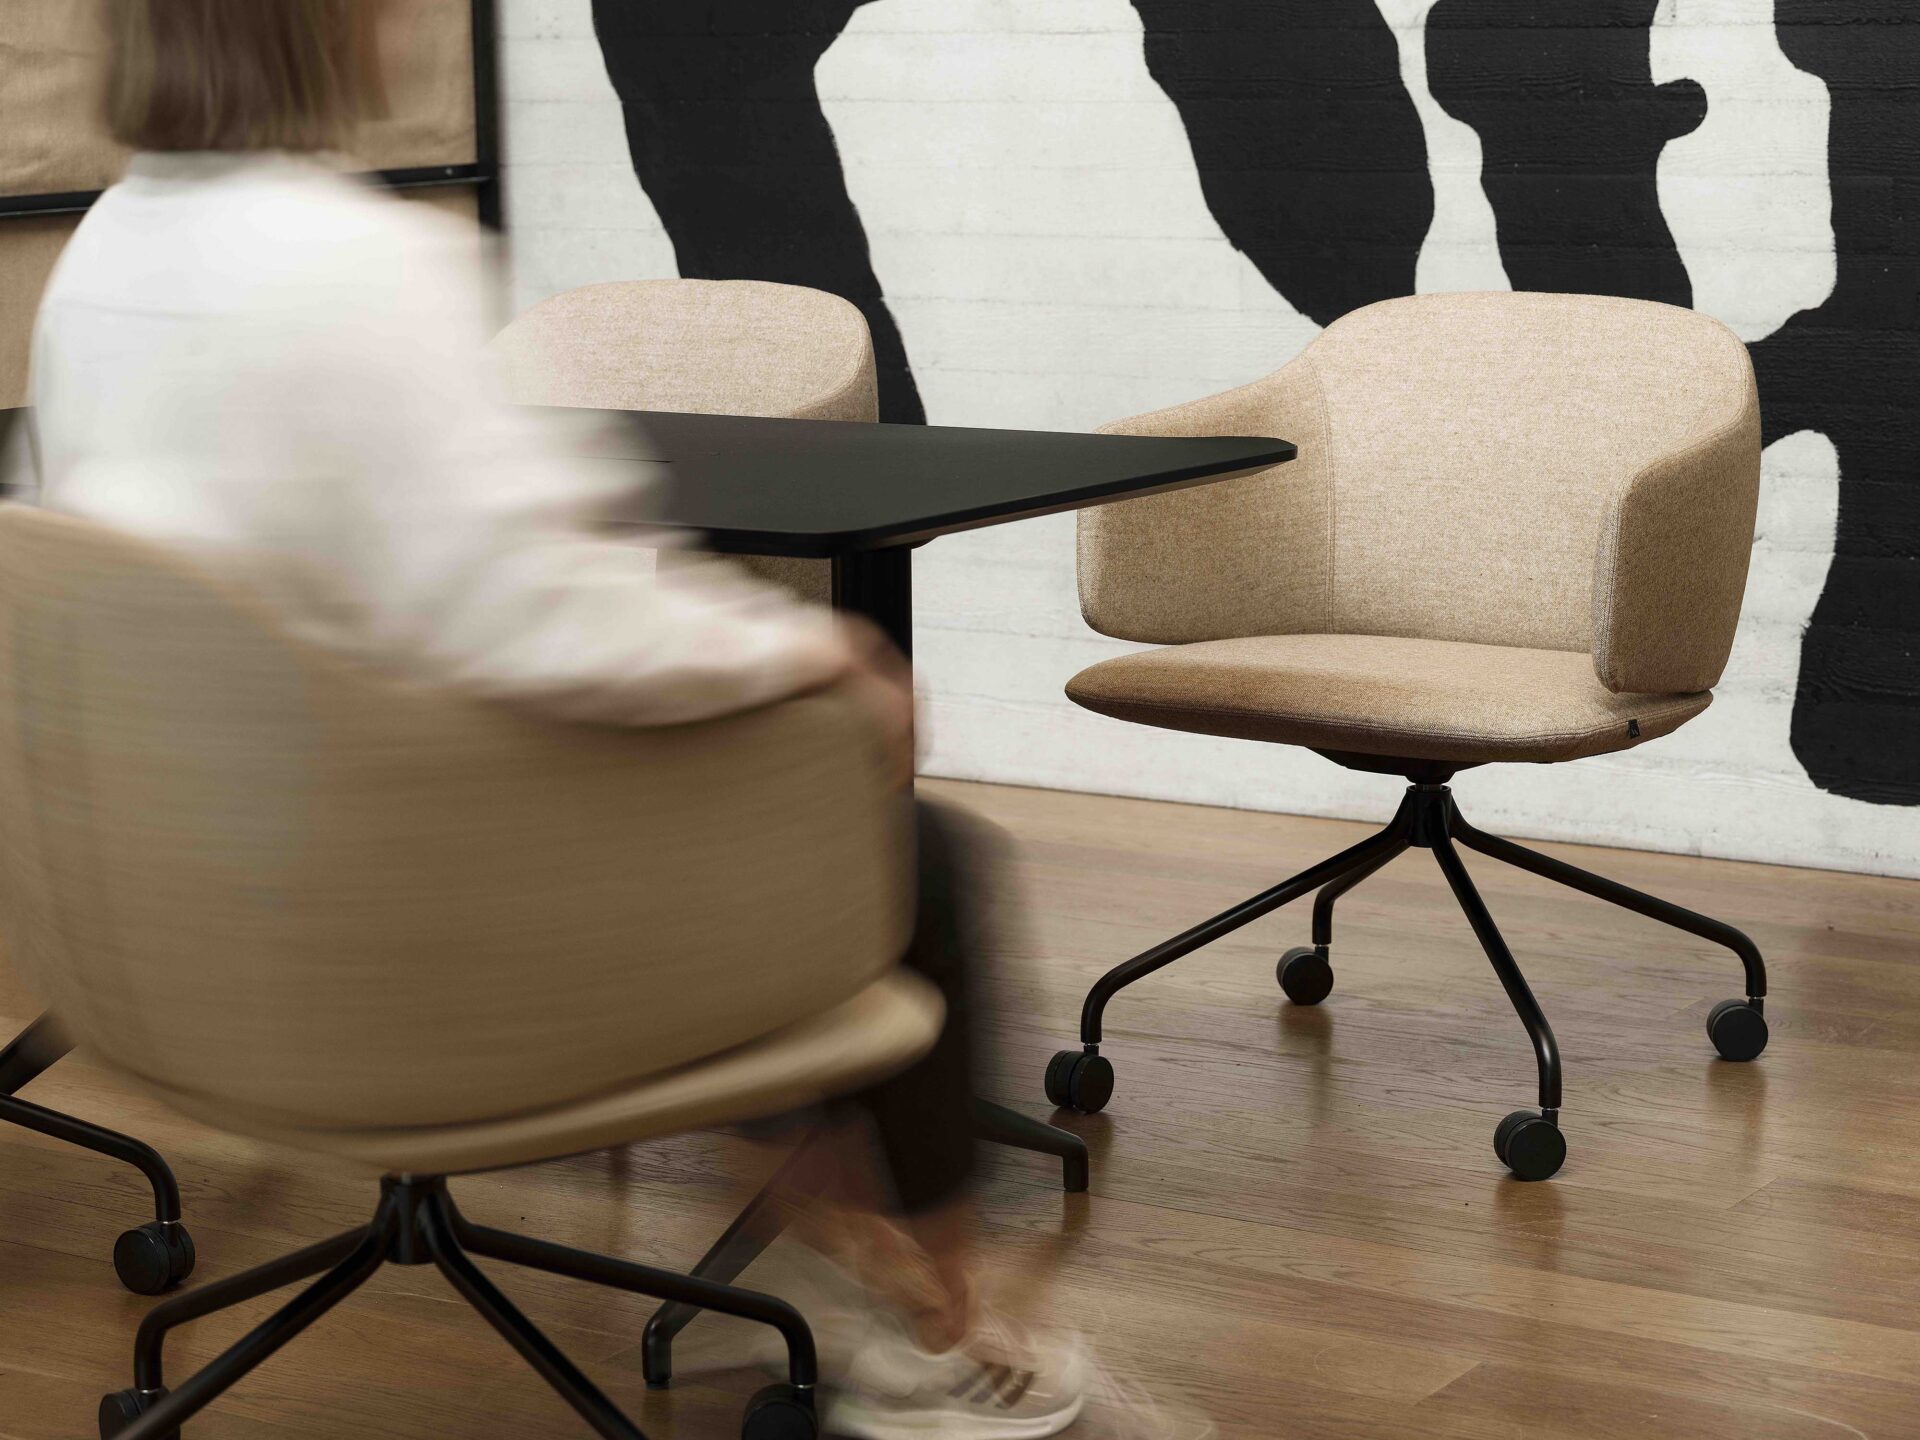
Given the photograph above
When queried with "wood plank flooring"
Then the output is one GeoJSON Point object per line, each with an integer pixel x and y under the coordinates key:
{"type": "Point", "coordinates": [1297, 1225]}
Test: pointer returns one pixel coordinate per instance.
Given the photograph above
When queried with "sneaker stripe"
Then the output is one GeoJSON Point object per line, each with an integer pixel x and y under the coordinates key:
{"type": "Point", "coordinates": [979, 1385]}
{"type": "Point", "coordinates": [1015, 1390]}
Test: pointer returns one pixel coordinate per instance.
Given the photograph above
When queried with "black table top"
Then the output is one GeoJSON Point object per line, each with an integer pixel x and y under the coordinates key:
{"type": "Point", "coordinates": [827, 487]}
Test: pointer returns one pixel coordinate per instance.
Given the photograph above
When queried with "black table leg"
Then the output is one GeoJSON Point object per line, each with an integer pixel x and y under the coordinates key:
{"type": "Point", "coordinates": [879, 585]}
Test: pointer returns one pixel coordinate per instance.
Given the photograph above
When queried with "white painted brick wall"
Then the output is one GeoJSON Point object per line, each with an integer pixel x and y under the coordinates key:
{"type": "Point", "coordinates": [1038, 225]}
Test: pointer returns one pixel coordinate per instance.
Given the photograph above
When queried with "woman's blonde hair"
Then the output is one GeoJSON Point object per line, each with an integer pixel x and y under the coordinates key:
{"type": "Point", "coordinates": [239, 74]}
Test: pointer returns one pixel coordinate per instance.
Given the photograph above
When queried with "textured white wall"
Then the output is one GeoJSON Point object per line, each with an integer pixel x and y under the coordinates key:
{"type": "Point", "coordinates": [1038, 226]}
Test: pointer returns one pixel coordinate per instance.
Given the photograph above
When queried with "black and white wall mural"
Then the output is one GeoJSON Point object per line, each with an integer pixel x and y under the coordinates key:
{"type": "Point", "coordinates": [1055, 212]}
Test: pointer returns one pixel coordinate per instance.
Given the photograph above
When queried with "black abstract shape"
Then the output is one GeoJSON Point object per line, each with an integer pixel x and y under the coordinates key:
{"type": "Point", "coordinates": [1571, 126]}
{"type": "Point", "coordinates": [1851, 370]}
{"type": "Point", "coordinates": [1310, 152]}
{"type": "Point", "coordinates": [732, 147]}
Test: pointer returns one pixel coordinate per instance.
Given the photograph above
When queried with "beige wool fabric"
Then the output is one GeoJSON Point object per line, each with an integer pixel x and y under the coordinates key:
{"type": "Point", "coordinates": [1562, 474]}
{"type": "Point", "coordinates": [305, 900]}
{"type": "Point", "coordinates": [703, 347]}
{"type": "Point", "coordinates": [1383, 695]}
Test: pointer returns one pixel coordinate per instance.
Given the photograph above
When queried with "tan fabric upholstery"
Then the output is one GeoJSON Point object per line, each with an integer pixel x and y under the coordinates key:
{"type": "Point", "coordinates": [885, 1026]}
{"type": "Point", "coordinates": [1252, 556]}
{"type": "Point", "coordinates": [704, 347]}
{"type": "Point", "coordinates": [1672, 567]}
{"type": "Point", "coordinates": [1382, 695]}
{"type": "Point", "coordinates": [1560, 472]}
{"type": "Point", "coordinates": [308, 900]}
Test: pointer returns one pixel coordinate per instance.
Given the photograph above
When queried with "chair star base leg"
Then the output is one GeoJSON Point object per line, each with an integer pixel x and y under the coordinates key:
{"type": "Point", "coordinates": [150, 1259]}
{"type": "Point", "coordinates": [417, 1223]}
{"type": "Point", "coordinates": [1529, 1142]}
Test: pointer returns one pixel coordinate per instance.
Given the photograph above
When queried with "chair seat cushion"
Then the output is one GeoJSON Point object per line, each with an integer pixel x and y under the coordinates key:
{"type": "Point", "coordinates": [883, 1028]}
{"type": "Point", "coordinates": [1383, 695]}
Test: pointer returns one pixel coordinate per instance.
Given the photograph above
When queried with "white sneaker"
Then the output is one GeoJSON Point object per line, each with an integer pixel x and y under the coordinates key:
{"type": "Point", "coordinates": [997, 1385]}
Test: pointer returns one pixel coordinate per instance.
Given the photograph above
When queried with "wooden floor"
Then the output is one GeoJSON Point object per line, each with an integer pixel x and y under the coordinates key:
{"type": "Point", "coordinates": [1297, 1225]}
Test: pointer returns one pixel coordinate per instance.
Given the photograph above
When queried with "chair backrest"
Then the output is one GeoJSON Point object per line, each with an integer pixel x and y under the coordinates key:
{"type": "Point", "coordinates": [703, 347]}
{"type": "Point", "coordinates": [246, 869]}
{"type": "Point", "coordinates": [1459, 457]}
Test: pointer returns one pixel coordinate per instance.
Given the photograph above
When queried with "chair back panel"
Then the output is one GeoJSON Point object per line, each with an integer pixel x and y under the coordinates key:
{"type": "Point", "coordinates": [246, 869]}
{"type": "Point", "coordinates": [1477, 440]}
{"type": "Point", "coordinates": [704, 347]}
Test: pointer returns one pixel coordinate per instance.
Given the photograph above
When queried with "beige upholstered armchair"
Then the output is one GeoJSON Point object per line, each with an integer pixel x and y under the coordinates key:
{"type": "Point", "coordinates": [702, 347]}
{"type": "Point", "coordinates": [1518, 530]}
{"type": "Point", "coordinates": [399, 929]}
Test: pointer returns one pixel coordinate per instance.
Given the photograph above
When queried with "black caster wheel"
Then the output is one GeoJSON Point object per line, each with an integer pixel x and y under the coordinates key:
{"type": "Point", "coordinates": [1305, 974]}
{"type": "Point", "coordinates": [154, 1258]}
{"type": "Point", "coordinates": [780, 1412]}
{"type": "Point", "coordinates": [1738, 1031]}
{"type": "Point", "coordinates": [1079, 1081]}
{"type": "Point", "coordinates": [1530, 1145]}
{"type": "Point", "coordinates": [120, 1409]}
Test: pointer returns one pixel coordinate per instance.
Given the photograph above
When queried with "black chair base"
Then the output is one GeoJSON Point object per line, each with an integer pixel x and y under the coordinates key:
{"type": "Point", "coordinates": [149, 1259]}
{"type": "Point", "coordinates": [761, 1223]}
{"type": "Point", "coordinates": [417, 1223]}
{"type": "Point", "coordinates": [1528, 1142]}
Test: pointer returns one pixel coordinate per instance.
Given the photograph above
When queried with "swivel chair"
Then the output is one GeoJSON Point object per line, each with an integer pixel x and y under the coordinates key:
{"type": "Point", "coordinates": [1518, 532]}
{"type": "Point", "coordinates": [310, 903]}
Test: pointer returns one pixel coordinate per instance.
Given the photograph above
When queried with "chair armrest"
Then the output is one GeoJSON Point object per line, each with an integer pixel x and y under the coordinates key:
{"type": "Point", "coordinates": [1247, 556]}
{"type": "Point", "coordinates": [1671, 568]}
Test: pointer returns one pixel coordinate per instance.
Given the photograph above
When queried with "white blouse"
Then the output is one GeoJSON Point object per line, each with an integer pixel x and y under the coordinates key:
{"type": "Point", "coordinates": [259, 360]}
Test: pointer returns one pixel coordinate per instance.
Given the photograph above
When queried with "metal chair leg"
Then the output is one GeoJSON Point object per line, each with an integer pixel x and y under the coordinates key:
{"type": "Point", "coordinates": [802, 1361]}
{"type": "Point", "coordinates": [28, 1055]}
{"type": "Point", "coordinates": [1002, 1126]}
{"type": "Point", "coordinates": [150, 1341]}
{"type": "Point", "coordinates": [1082, 1079]}
{"type": "Point", "coordinates": [1386, 843]}
{"type": "Point", "coordinates": [744, 1241]}
{"type": "Point", "coordinates": [1601, 888]}
{"type": "Point", "coordinates": [149, 1259]}
{"type": "Point", "coordinates": [149, 1412]}
{"type": "Point", "coordinates": [1330, 892]}
{"type": "Point", "coordinates": [437, 1231]}
{"type": "Point", "coordinates": [1546, 1050]}
{"type": "Point", "coordinates": [1529, 1143]}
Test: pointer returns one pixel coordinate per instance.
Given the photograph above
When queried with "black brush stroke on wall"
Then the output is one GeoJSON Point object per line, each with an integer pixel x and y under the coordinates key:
{"type": "Point", "coordinates": [1851, 370]}
{"type": "Point", "coordinates": [1571, 128]}
{"type": "Point", "coordinates": [733, 149]}
{"type": "Point", "coordinates": [1310, 151]}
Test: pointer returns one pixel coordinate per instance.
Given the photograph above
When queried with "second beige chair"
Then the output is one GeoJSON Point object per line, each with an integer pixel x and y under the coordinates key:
{"type": "Point", "coordinates": [700, 347]}
{"type": "Point", "coordinates": [305, 902]}
{"type": "Point", "coordinates": [1518, 531]}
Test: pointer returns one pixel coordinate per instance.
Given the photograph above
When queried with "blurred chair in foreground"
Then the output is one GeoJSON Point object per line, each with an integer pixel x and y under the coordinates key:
{"type": "Point", "coordinates": [310, 904]}
{"type": "Point", "coordinates": [151, 1258]}
{"type": "Point", "coordinates": [1518, 530]}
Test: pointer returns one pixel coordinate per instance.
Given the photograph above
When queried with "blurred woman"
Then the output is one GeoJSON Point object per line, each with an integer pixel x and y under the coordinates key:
{"type": "Point", "coordinates": [249, 356]}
